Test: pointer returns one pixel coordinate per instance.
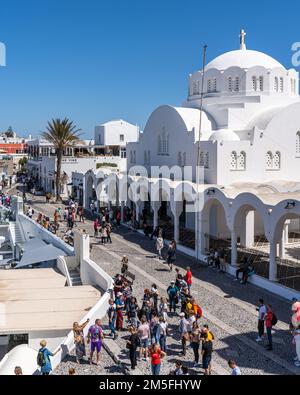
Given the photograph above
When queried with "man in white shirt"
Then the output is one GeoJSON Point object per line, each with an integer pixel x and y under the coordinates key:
{"type": "Point", "coordinates": [262, 311]}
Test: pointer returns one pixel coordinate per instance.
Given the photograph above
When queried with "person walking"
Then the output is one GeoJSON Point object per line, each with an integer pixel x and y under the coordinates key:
{"type": "Point", "coordinates": [156, 355]}
{"type": "Point", "coordinates": [172, 292]}
{"type": "Point", "coordinates": [269, 323]}
{"type": "Point", "coordinates": [81, 214]}
{"type": "Point", "coordinates": [207, 349]}
{"type": "Point", "coordinates": [79, 340]}
{"type": "Point", "coordinates": [171, 254]}
{"type": "Point", "coordinates": [108, 231]}
{"type": "Point", "coordinates": [112, 316]}
{"type": "Point", "coordinates": [96, 227]}
{"type": "Point", "coordinates": [184, 332]}
{"type": "Point", "coordinates": [95, 336]}
{"type": "Point", "coordinates": [133, 312]}
{"type": "Point", "coordinates": [235, 370]}
{"type": "Point", "coordinates": [195, 338]}
{"type": "Point", "coordinates": [119, 310]}
{"type": "Point", "coordinates": [144, 334]}
{"type": "Point", "coordinates": [262, 311]}
{"type": "Point", "coordinates": [163, 333]}
{"type": "Point", "coordinates": [159, 246]}
{"type": "Point", "coordinates": [132, 345]}
{"type": "Point", "coordinates": [154, 328]}
{"type": "Point", "coordinates": [188, 278]}
{"type": "Point", "coordinates": [43, 358]}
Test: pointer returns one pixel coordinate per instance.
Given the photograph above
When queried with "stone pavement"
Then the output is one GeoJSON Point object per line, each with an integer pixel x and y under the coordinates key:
{"type": "Point", "coordinates": [228, 306]}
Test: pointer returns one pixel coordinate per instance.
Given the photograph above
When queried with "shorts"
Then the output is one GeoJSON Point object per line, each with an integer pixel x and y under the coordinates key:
{"type": "Point", "coordinates": [144, 343]}
{"type": "Point", "coordinates": [206, 362]}
{"type": "Point", "coordinates": [96, 346]}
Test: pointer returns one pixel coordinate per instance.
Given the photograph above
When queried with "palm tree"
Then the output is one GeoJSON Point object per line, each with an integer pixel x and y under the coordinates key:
{"type": "Point", "coordinates": [60, 133]}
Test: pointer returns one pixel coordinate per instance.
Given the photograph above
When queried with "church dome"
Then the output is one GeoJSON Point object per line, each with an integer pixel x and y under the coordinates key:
{"type": "Point", "coordinates": [224, 135]}
{"type": "Point", "coordinates": [245, 59]}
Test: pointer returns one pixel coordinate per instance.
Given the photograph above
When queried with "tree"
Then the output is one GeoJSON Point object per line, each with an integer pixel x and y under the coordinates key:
{"type": "Point", "coordinates": [22, 163]}
{"type": "Point", "coordinates": [62, 134]}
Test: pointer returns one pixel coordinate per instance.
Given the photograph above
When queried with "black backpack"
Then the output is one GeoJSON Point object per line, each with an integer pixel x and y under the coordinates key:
{"type": "Point", "coordinates": [274, 320]}
{"type": "Point", "coordinates": [41, 360]}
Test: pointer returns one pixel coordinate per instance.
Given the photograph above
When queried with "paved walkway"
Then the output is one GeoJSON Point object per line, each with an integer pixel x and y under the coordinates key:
{"type": "Point", "coordinates": [229, 307]}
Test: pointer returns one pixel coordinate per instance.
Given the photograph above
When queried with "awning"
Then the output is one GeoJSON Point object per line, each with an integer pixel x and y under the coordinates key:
{"type": "Point", "coordinates": [38, 255]}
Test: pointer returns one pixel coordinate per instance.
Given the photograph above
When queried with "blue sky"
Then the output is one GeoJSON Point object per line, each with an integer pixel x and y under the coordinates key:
{"type": "Point", "coordinates": [96, 60]}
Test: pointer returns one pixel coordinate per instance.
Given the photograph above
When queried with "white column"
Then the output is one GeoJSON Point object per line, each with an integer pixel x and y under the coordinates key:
{"type": "Point", "coordinates": [234, 254]}
{"type": "Point", "coordinates": [247, 231]}
{"type": "Point", "coordinates": [273, 264]}
{"type": "Point", "coordinates": [282, 245]}
{"type": "Point", "coordinates": [137, 212]}
{"type": "Point", "coordinates": [176, 226]}
{"type": "Point", "coordinates": [155, 215]}
{"type": "Point", "coordinates": [286, 231]}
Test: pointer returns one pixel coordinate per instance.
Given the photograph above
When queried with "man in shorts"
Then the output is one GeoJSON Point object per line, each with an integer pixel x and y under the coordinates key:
{"type": "Point", "coordinates": [95, 336]}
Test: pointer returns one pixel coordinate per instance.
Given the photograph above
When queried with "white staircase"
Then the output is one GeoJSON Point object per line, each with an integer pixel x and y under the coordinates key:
{"type": "Point", "coordinates": [15, 233]}
{"type": "Point", "coordinates": [75, 277]}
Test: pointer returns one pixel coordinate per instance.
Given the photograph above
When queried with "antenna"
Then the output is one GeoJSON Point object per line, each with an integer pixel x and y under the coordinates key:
{"type": "Point", "coordinates": [199, 148]}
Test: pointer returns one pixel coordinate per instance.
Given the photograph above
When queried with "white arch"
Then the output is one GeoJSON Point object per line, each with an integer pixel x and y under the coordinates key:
{"type": "Point", "coordinates": [280, 214]}
{"type": "Point", "coordinates": [249, 200]}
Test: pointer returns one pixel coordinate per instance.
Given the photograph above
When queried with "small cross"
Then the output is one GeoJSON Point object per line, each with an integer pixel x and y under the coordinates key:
{"type": "Point", "coordinates": [242, 39]}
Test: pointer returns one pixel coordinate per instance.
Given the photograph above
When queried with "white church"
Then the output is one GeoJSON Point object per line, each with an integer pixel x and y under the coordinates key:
{"type": "Point", "coordinates": [241, 124]}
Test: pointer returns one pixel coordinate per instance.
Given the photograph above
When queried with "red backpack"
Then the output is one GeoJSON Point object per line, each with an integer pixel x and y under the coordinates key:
{"type": "Point", "coordinates": [199, 312]}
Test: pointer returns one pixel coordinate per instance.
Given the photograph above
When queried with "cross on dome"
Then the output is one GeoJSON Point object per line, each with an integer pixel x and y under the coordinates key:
{"type": "Point", "coordinates": [242, 39]}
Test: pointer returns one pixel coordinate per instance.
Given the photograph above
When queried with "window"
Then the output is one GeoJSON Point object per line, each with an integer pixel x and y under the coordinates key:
{"type": "Point", "coordinates": [195, 88]}
{"type": "Point", "coordinates": [276, 161]}
{"type": "Point", "coordinates": [204, 159]}
{"type": "Point", "coordinates": [209, 86]}
{"type": "Point", "coordinates": [214, 85]}
{"type": "Point", "coordinates": [184, 159]}
{"type": "Point", "coordinates": [261, 83]}
{"type": "Point", "coordinates": [163, 143]}
{"type": "Point", "coordinates": [145, 157]}
{"type": "Point", "coordinates": [254, 83]}
{"type": "Point", "coordinates": [281, 84]}
{"type": "Point", "coordinates": [149, 157]}
{"type": "Point", "coordinates": [298, 143]}
{"type": "Point", "coordinates": [237, 84]}
{"type": "Point", "coordinates": [179, 159]}
{"type": "Point", "coordinates": [233, 160]}
{"type": "Point", "coordinates": [121, 138]}
{"type": "Point", "coordinates": [241, 163]}
{"type": "Point", "coordinates": [269, 160]}
{"type": "Point", "coordinates": [123, 153]}
{"type": "Point", "coordinates": [134, 156]}
{"type": "Point", "coordinates": [230, 88]}
{"type": "Point", "coordinates": [276, 84]}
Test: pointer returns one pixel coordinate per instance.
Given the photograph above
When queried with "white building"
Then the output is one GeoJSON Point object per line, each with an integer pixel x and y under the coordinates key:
{"type": "Point", "coordinates": [248, 147]}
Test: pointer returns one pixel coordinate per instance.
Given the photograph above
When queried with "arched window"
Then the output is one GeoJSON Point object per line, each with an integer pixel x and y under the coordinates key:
{"type": "Point", "coordinates": [145, 157]}
{"type": "Point", "coordinates": [269, 160]}
{"type": "Point", "coordinates": [230, 87]}
{"type": "Point", "coordinates": [276, 84]}
{"type": "Point", "coordinates": [261, 83]}
{"type": "Point", "coordinates": [237, 84]}
{"type": "Point", "coordinates": [233, 160]}
{"type": "Point", "coordinates": [163, 143]}
{"type": "Point", "coordinates": [134, 156]}
{"type": "Point", "coordinates": [281, 84]}
{"type": "Point", "coordinates": [179, 159]}
{"type": "Point", "coordinates": [214, 85]}
{"type": "Point", "coordinates": [241, 163]}
{"type": "Point", "coordinates": [149, 157]}
{"type": "Point", "coordinates": [277, 161]}
{"type": "Point", "coordinates": [254, 83]}
{"type": "Point", "coordinates": [209, 85]}
{"type": "Point", "coordinates": [298, 143]}
{"type": "Point", "coordinates": [195, 88]}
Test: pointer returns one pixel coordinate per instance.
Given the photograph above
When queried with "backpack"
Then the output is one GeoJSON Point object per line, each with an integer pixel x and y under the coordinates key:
{"type": "Point", "coordinates": [274, 320]}
{"type": "Point", "coordinates": [41, 360]}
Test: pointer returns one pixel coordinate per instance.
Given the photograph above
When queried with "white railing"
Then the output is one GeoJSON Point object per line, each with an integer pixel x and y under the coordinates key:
{"type": "Point", "coordinates": [91, 274]}
{"type": "Point", "coordinates": [63, 268]}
